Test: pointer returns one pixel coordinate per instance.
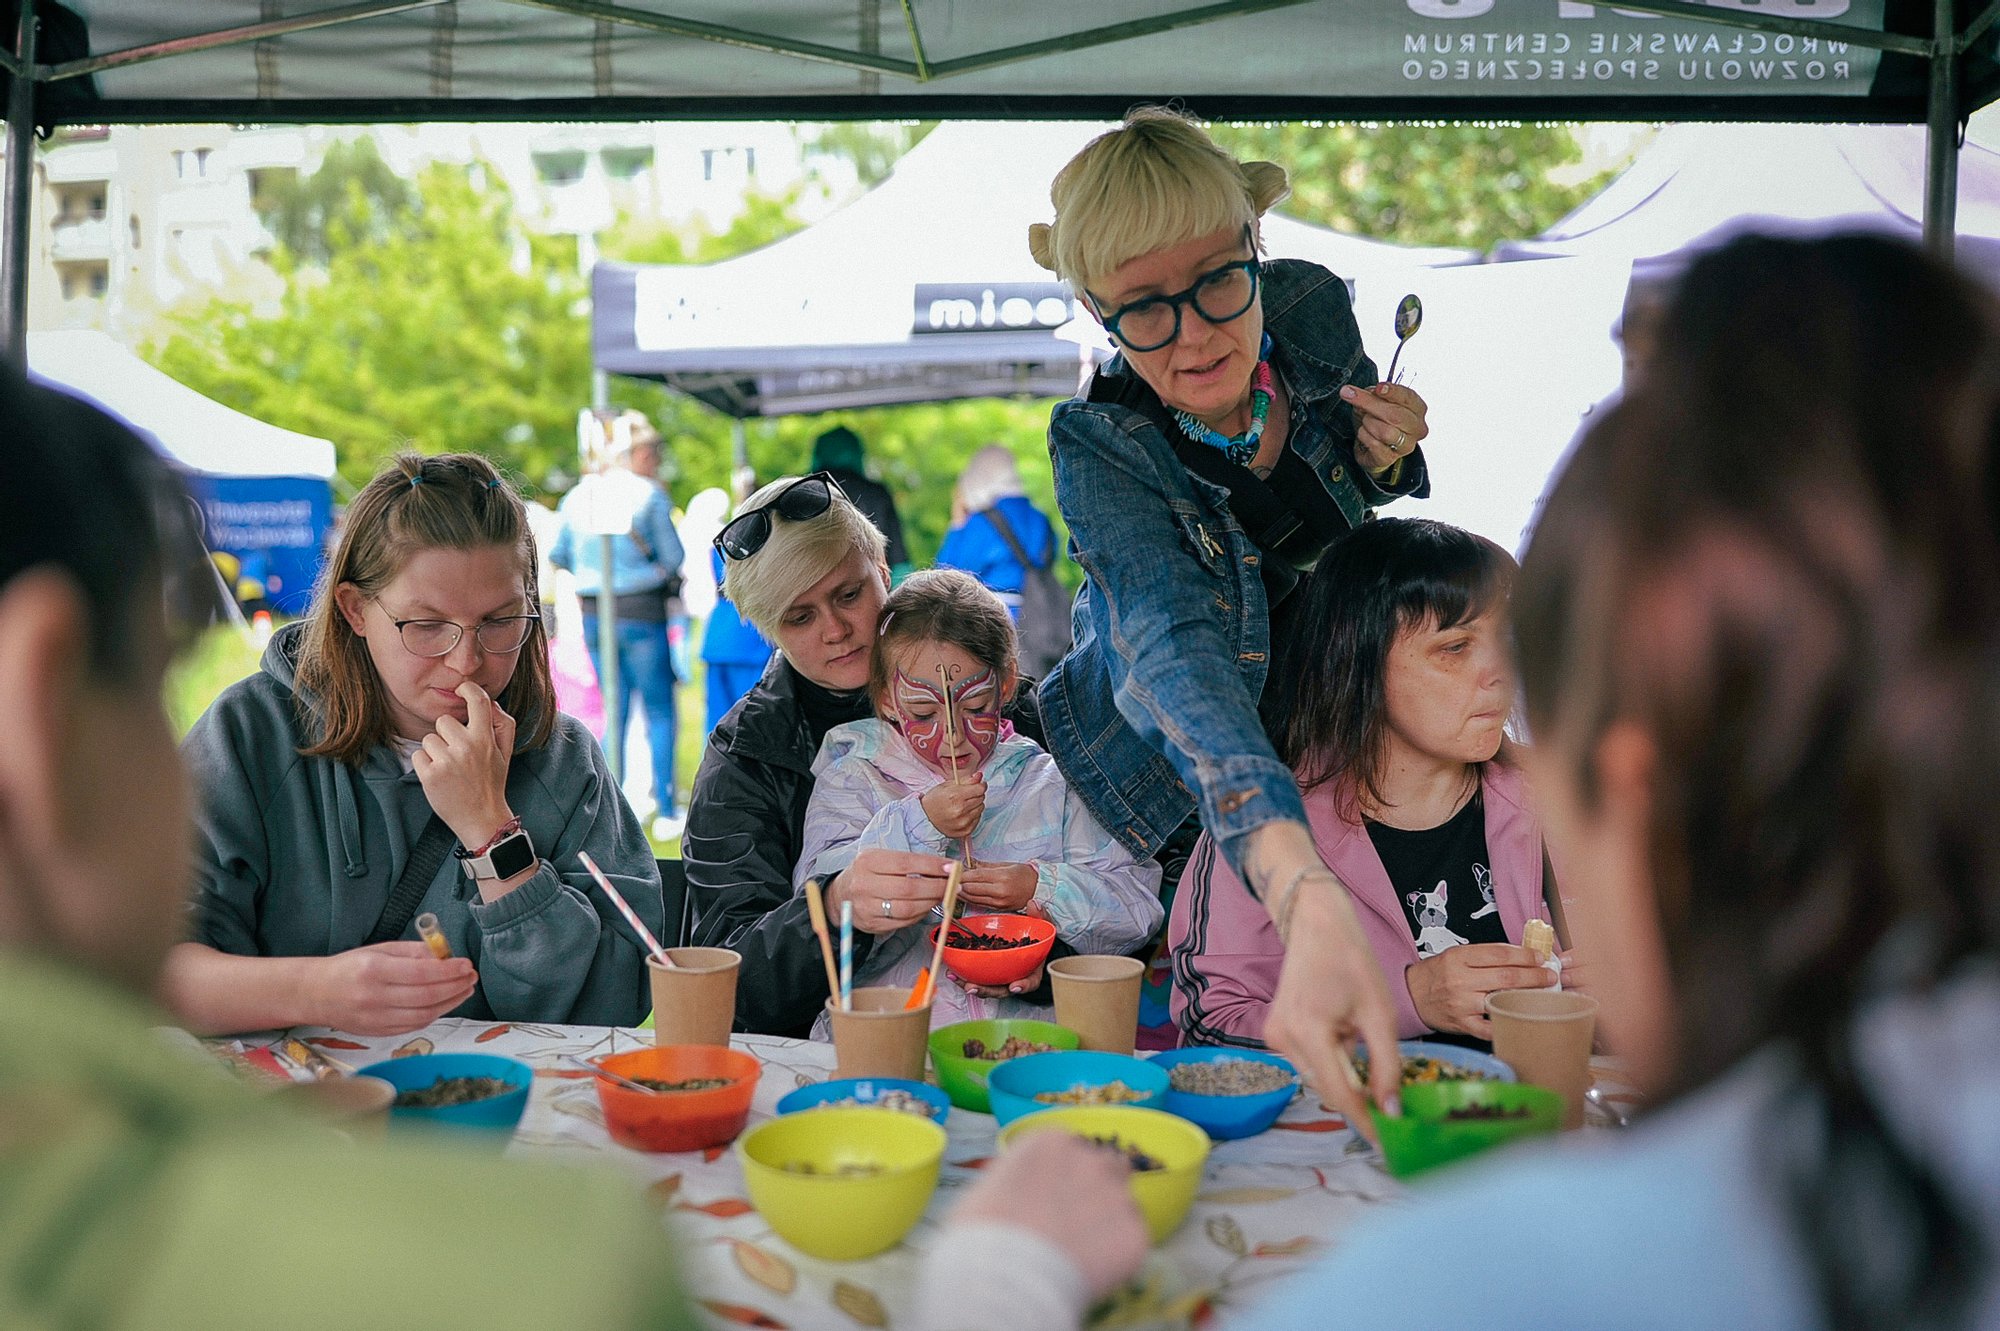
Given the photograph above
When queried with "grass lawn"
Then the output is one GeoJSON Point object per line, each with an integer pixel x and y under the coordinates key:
{"type": "Point", "coordinates": [225, 654]}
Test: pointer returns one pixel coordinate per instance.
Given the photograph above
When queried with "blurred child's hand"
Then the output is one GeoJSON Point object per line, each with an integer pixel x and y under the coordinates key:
{"type": "Point", "coordinates": [1073, 1193]}
{"type": "Point", "coordinates": [1027, 984]}
{"type": "Point", "coordinates": [1006, 888]}
{"type": "Point", "coordinates": [955, 810]}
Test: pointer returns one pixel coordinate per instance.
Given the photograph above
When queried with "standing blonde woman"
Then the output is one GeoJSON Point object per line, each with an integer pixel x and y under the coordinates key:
{"type": "Point", "coordinates": [1237, 433]}
{"type": "Point", "coordinates": [409, 720]}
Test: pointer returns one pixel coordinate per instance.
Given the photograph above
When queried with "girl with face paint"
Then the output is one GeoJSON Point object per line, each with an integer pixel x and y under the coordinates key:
{"type": "Point", "coordinates": [937, 770]}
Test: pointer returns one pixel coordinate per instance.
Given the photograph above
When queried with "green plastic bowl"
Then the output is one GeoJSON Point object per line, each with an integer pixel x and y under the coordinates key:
{"type": "Point", "coordinates": [1425, 1137]}
{"type": "Point", "coordinates": [964, 1079]}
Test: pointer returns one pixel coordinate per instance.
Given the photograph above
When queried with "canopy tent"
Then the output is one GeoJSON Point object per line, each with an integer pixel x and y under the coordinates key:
{"type": "Point", "coordinates": [920, 290]}
{"type": "Point", "coordinates": [265, 493]}
{"type": "Point", "coordinates": [93, 61]}
{"type": "Point", "coordinates": [1696, 185]}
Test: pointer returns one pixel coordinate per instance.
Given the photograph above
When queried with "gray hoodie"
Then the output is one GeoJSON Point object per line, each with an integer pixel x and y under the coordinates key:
{"type": "Point", "coordinates": [297, 856]}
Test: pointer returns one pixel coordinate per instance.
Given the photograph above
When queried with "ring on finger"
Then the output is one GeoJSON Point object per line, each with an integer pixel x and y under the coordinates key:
{"type": "Point", "coordinates": [1402, 441]}
{"type": "Point", "coordinates": [888, 909]}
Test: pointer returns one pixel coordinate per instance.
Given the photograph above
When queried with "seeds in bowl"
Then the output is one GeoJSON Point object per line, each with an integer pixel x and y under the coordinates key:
{"type": "Point", "coordinates": [690, 1084]}
{"type": "Point", "coordinates": [1229, 1076]}
{"type": "Point", "coordinates": [900, 1101]}
{"type": "Point", "coordinates": [1014, 1047]}
{"type": "Point", "coordinates": [449, 1091]}
{"type": "Point", "coordinates": [1141, 1162]}
{"type": "Point", "coordinates": [1484, 1113]}
{"type": "Point", "coordinates": [1110, 1093]}
{"type": "Point", "coordinates": [852, 1169]}
{"type": "Point", "coordinates": [966, 941]}
{"type": "Point", "coordinates": [1417, 1069]}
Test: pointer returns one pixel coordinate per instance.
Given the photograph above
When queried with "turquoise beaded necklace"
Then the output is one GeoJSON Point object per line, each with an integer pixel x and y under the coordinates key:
{"type": "Point", "coordinates": [1243, 448]}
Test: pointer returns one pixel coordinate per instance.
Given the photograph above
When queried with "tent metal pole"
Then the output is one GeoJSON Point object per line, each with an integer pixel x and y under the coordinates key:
{"type": "Point", "coordinates": [916, 43]}
{"type": "Point", "coordinates": [254, 32]}
{"type": "Point", "coordinates": [18, 220]}
{"type": "Point", "coordinates": [607, 661]}
{"type": "Point", "coordinates": [739, 460]}
{"type": "Point", "coordinates": [1977, 28]}
{"type": "Point", "coordinates": [1941, 139]}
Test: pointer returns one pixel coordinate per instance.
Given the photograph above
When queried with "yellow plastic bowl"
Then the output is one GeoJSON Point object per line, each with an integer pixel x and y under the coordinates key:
{"type": "Point", "coordinates": [1164, 1195]}
{"type": "Point", "coordinates": [834, 1216]}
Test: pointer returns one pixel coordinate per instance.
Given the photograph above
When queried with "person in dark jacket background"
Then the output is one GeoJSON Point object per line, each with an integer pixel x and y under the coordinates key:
{"type": "Point", "coordinates": [809, 574]}
{"type": "Point", "coordinates": [839, 451]}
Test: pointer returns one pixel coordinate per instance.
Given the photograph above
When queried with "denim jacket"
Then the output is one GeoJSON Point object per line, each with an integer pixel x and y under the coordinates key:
{"type": "Point", "coordinates": [1153, 714]}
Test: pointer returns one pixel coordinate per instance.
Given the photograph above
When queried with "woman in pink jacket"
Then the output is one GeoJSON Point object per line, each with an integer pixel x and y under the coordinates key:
{"type": "Point", "coordinates": [1394, 725]}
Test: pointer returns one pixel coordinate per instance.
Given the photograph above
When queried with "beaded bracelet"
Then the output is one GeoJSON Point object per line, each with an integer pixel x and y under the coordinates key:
{"type": "Point", "coordinates": [1288, 897]}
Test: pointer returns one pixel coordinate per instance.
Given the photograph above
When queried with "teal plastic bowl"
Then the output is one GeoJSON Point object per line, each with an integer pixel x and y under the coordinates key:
{"type": "Point", "coordinates": [1014, 1085]}
{"type": "Point", "coordinates": [496, 1115]}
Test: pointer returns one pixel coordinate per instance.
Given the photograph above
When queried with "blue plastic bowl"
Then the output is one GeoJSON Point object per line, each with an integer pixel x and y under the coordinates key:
{"type": "Point", "coordinates": [1013, 1085]}
{"type": "Point", "coordinates": [1486, 1065]}
{"type": "Point", "coordinates": [1226, 1117]}
{"type": "Point", "coordinates": [497, 1115]}
{"type": "Point", "coordinates": [867, 1090]}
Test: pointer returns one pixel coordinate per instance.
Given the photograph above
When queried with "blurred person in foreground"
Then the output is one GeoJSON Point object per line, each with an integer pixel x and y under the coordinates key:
{"type": "Point", "coordinates": [1759, 629]}
{"type": "Point", "coordinates": [142, 1187]}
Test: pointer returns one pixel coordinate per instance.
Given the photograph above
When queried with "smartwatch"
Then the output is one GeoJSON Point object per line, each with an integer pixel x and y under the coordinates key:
{"type": "Point", "coordinates": [513, 852]}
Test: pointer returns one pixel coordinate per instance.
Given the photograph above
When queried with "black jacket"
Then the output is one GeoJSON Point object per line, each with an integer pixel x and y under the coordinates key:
{"type": "Point", "coordinates": [745, 822]}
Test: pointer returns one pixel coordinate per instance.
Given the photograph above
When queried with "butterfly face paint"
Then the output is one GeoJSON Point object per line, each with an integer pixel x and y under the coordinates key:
{"type": "Point", "coordinates": [954, 728]}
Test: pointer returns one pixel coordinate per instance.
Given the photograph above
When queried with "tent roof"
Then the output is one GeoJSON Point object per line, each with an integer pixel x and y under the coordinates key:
{"type": "Point", "coordinates": [800, 59]}
{"type": "Point", "coordinates": [828, 316]}
{"type": "Point", "coordinates": [1697, 184]}
{"type": "Point", "coordinates": [198, 432]}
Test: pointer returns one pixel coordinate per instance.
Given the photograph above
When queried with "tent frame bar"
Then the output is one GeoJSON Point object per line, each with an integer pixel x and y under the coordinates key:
{"type": "Point", "coordinates": [208, 41]}
{"type": "Point", "coordinates": [1943, 50]}
{"type": "Point", "coordinates": [17, 209]}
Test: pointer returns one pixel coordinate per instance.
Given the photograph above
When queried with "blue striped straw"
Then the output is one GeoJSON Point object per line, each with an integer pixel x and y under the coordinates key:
{"type": "Point", "coordinates": [846, 955]}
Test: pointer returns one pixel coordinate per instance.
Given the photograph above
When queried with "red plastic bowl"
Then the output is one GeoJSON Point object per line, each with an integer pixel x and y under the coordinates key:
{"type": "Point", "coordinates": [678, 1120]}
{"type": "Point", "coordinates": [1003, 967]}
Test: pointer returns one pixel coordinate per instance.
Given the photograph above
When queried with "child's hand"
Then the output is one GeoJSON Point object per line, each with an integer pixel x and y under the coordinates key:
{"type": "Point", "coordinates": [1071, 1192]}
{"type": "Point", "coordinates": [1006, 888]}
{"type": "Point", "coordinates": [1027, 984]}
{"type": "Point", "coordinates": [955, 810]}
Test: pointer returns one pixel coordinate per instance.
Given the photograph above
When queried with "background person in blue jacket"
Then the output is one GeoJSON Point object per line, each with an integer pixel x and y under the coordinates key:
{"type": "Point", "coordinates": [626, 495]}
{"type": "Point", "coordinates": [991, 481]}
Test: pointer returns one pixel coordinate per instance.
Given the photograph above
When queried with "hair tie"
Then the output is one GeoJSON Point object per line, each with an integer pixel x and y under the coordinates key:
{"type": "Point", "coordinates": [495, 483]}
{"type": "Point", "coordinates": [416, 480]}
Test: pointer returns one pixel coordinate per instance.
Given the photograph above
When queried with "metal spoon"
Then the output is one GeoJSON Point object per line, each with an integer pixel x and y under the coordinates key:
{"type": "Point", "coordinates": [1409, 318]}
{"type": "Point", "coordinates": [1619, 1118]}
{"type": "Point", "coordinates": [609, 1075]}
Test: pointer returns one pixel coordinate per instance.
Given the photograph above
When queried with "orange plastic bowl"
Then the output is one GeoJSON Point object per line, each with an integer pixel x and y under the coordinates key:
{"type": "Point", "coordinates": [1002, 967]}
{"type": "Point", "coordinates": [678, 1120]}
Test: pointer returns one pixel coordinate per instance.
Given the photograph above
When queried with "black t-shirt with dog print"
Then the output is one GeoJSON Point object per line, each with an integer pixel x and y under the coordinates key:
{"type": "Point", "coordinates": [1443, 878]}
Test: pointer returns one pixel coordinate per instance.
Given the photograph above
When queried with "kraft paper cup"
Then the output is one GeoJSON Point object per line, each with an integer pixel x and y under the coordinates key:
{"type": "Point", "coordinates": [877, 1038]}
{"type": "Point", "coordinates": [1098, 998]}
{"type": "Point", "coordinates": [694, 1000]}
{"type": "Point", "coordinates": [1545, 1034]}
{"type": "Point", "coordinates": [358, 1104]}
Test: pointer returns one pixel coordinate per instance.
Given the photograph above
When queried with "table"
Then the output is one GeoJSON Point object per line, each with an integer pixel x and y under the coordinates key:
{"type": "Point", "coordinates": [1268, 1205]}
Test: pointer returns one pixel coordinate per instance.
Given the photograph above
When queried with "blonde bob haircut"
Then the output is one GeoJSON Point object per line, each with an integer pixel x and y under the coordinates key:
{"type": "Point", "coordinates": [455, 501]}
{"type": "Point", "coordinates": [797, 555]}
{"type": "Point", "coordinates": [1155, 182]}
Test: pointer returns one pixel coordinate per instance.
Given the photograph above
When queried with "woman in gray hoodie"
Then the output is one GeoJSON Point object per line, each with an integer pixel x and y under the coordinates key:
{"type": "Point", "coordinates": [400, 752]}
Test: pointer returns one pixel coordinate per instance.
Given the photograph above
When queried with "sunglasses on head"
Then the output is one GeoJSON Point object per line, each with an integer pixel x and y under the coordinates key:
{"type": "Point", "coordinates": [801, 501]}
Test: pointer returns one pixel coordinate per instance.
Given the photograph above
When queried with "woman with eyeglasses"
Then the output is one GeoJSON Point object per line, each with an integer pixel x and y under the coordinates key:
{"type": "Point", "coordinates": [400, 753]}
{"type": "Point", "coordinates": [1237, 433]}
{"type": "Point", "coordinates": [809, 571]}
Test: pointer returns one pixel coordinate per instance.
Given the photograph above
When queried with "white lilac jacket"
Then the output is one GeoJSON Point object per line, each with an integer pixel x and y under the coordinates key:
{"type": "Point", "coordinates": [868, 794]}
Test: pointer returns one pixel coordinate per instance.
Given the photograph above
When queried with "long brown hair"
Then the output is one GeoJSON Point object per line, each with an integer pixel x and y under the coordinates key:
{"type": "Point", "coordinates": [1777, 558]}
{"type": "Point", "coordinates": [455, 501]}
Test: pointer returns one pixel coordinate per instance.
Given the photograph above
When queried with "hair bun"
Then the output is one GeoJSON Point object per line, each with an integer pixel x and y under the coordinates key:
{"type": "Point", "coordinates": [1268, 184]}
{"type": "Point", "coordinates": [1042, 244]}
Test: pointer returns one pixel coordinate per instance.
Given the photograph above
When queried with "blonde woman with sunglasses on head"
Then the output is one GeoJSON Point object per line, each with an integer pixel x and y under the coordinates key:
{"type": "Point", "coordinates": [400, 752]}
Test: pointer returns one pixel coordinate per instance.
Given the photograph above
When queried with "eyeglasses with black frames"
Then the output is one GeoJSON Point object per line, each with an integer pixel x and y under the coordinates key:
{"type": "Point", "coordinates": [1219, 295]}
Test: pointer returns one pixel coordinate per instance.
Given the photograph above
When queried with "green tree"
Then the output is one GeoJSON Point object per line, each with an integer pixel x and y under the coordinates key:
{"type": "Point", "coordinates": [453, 330]}
{"type": "Point", "coordinates": [872, 146]}
{"type": "Point", "coordinates": [353, 197]}
{"type": "Point", "coordinates": [1456, 184]}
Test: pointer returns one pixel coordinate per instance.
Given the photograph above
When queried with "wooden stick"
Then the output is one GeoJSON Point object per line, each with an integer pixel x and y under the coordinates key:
{"type": "Point", "coordinates": [816, 904]}
{"type": "Point", "coordinates": [951, 732]}
{"type": "Point", "coordinates": [944, 929]}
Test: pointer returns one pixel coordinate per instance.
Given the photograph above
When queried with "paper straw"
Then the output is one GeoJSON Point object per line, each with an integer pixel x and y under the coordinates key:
{"type": "Point", "coordinates": [816, 908]}
{"type": "Point", "coordinates": [631, 916]}
{"type": "Point", "coordinates": [846, 955]}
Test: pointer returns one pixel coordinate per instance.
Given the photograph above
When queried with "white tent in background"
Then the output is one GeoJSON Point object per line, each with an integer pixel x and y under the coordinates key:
{"type": "Point", "coordinates": [265, 492]}
{"type": "Point", "coordinates": [922, 289]}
